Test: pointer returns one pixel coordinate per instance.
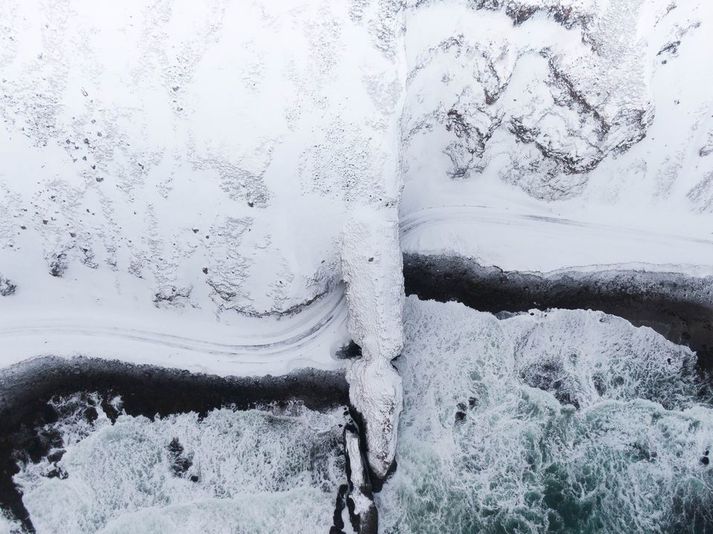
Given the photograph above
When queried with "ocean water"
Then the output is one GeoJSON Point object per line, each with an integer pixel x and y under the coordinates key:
{"type": "Point", "coordinates": [567, 421]}
{"type": "Point", "coordinates": [270, 470]}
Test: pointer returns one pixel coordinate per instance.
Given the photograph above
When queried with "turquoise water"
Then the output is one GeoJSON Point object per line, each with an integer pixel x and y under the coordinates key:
{"type": "Point", "coordinates": [570, 421]}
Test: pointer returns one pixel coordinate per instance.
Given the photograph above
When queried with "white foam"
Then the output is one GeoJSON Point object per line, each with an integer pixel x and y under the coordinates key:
{"type": "Point", "coordinates": [481, 448]}
{"type": "Point", "coordinates": [8, 526]}
{"type": "Point", "coordinates": [250, 471]}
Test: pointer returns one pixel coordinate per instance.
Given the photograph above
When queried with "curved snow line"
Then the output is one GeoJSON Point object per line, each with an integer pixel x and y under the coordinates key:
{"type": "Point", "coordinates": [526, 242]}
{"type": "Point", "coordinates": [437, 215]}
{"type": "Point", "coordinates": [307, 338]}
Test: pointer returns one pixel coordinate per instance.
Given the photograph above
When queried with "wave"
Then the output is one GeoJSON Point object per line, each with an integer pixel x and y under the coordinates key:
{"type": "Point", "coordinates": [561, 421]}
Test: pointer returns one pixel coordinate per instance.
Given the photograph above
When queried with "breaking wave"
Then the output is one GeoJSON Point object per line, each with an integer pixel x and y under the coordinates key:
{"type": "Point", "coordinates": [561, 421]}
{"type": "Point", "coordinates": [276, 469]}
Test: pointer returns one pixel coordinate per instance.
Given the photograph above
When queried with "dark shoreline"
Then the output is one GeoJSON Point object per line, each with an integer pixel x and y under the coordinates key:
{"type": "Point", "coordinates": [677, 306]}
{"type": "Point", "coordinates": [146, 390]}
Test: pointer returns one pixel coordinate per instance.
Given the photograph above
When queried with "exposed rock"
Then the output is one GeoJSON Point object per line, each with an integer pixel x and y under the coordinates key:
{"type": "Point", "coordinates": [7, 288]}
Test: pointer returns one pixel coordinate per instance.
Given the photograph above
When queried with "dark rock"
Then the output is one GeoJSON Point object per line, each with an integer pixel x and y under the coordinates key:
{"type": "Point", "coordinates": [180, 462]}
{"type": "Point", "coordinates": [670, 303]}
{"type": "Point", "coordinates": [7, 287]}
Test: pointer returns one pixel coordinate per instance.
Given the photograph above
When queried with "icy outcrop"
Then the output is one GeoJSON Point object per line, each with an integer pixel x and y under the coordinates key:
{"type": "Point", "coordinates": [375, 392]}
{"type": "Point", "coordinates": [372, 270]}
{"type": "Point", "coordinates": [371, 261]}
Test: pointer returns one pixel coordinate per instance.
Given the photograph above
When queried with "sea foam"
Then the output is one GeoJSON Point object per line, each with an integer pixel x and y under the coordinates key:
{"type": "Point", "coordinates": [562, 421]}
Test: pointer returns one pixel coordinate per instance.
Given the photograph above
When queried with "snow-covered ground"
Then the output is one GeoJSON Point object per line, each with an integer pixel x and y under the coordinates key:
{"type": "Point", "coordinates": [578, 136]}
{"type": "Point", "coordinates": [187, 339]}
{"type": "Point", "coordinates": [228, 186]}
{"type": "Point", "coordinates": [175, 177]}
{"type": "Point", "coordinates": [186, 172]}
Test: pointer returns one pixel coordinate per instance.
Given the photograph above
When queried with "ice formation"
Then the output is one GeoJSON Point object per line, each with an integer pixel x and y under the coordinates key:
{"type": "Point", "coordinates": [372, 270]}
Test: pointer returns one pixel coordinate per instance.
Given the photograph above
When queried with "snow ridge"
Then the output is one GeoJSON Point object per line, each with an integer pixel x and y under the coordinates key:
{"type": "Point", "coordinates": [372, 268]}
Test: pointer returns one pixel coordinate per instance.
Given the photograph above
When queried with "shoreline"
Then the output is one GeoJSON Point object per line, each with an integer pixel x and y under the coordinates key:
{"type": "Point", "coordinates": [677, 306]}
{"type": "Point", "coordinates": [26, 388]}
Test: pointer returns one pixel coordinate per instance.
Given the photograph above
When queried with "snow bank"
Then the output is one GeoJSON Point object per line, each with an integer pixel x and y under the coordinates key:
{"type": "Point", "coordinates": [372, 269]}
{"type": "Point", "coordinates": [546, 134]}
{"type": "Point", "coordinates": [193, 159]}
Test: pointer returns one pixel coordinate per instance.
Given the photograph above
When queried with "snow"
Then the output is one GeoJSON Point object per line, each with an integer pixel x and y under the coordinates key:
{"type": "Point", "coordinates": [357, 476]}
{"type": "Point", "coordinates": [559, 144]}
{"type": "Point", "coordinates": [372, 267]}
{"type": "Point", "coordinates": [526, 238]}
{"type": "Point", "coordinates": [174, 177]}
{"type": "Point", "coordinates": [372, 270]}
{"type": "Point", "coordinates": [375, 391]}
{"type": "Point", "coordinates": [110, 326]}
{"type": "Point", "coordinates": [228, 186]}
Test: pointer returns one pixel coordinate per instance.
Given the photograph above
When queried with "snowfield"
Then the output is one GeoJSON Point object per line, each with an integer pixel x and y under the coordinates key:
{"type": "Point", "coordinates": [180, 174]}
{"type": "Point", "coordinates": [541, 135]}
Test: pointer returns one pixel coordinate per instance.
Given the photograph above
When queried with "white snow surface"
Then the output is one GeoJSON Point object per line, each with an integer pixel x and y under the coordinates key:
{"type": "Point", "coordinates": [175, 176]}
{"type": "Point", "coordinates": [372, 266]}
{"type": "Point", "coordinates": [203, 159]}
{"type": "Point", "coordinates": [357, 476]}
{"type": "Point", "coordinates": [217, 186]}
{"type": "Point", "coordinates": [579, 137]}
{"type": "Point", "coordinates": [375, 390]}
